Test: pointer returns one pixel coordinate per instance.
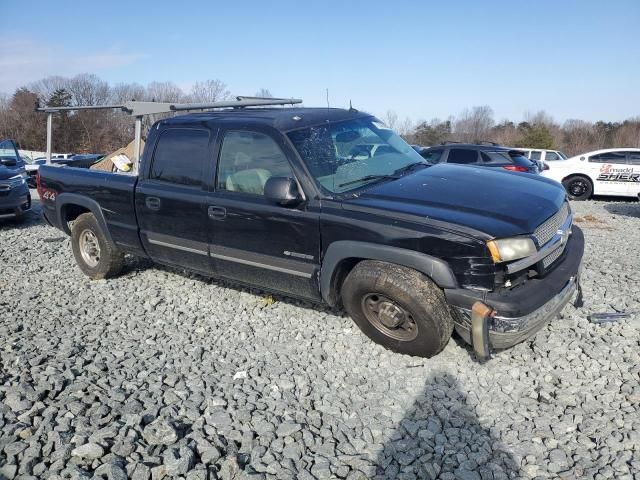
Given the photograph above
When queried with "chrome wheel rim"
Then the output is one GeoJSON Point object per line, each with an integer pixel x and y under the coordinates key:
{"type": "Point", "coordinates": [389, 318]}
{"type": "Point", "coordinates": [89, 248]}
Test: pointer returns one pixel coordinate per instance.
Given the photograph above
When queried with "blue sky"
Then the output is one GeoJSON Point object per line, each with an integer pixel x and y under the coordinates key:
{"type": "Point", "coordinates": [574, 59]}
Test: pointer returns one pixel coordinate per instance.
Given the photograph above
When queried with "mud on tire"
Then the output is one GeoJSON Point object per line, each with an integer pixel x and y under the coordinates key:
{"type": "Point", "coordinates": [95, 255]}
{"type": "Point", "coordinates": [398, 307]}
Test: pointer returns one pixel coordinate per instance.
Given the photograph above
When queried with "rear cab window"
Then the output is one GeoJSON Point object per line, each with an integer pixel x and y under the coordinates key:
{"type": "Point", "coordinates": [181, 156]}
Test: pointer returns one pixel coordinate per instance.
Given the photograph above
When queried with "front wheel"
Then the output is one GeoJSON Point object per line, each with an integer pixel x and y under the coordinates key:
{"type": "Point", "coordinates": [397, 307]}
{"type": "Point", "coordinates": [94, 254]}
{"type": "Point", "coordinates": [578, 187]}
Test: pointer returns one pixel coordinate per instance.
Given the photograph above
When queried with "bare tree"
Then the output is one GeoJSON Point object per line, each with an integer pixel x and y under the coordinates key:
{"type": "Point", "coordinates": [628, 135]}
{"type": "Point", "coordinates": [210, 91]}
{"type": "Point", "coordinates": [264, 92]}
{"type": "Point", "coordinates": [391, 119]}
{"type": "Point", "coordinates": [539, 118]}
{"type": "Point", "coordinates": [88, 89]}
{"type": "Point", "coordinates": [505, 133]}
{"type": "Point", "coordinates": [46, 87]}
{"type": "Point", "coordinates": [164, 92]}
{"type": "Point", "coordinates": [474, 125]}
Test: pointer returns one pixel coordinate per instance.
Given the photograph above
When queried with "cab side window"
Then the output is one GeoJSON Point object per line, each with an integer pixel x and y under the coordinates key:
{"type": "Point", "coordinates": [535, 155]}
{"type": "Point", "coordinates": [551, 156]}
{"type": "Point", "coordinates": [608, 157]}
{"type": "Point", "coordinates": [248, 160]}
{"type": "Point", "coordinates": [180, 157]}
{"type": "Point", "coordinates": [462, 156]}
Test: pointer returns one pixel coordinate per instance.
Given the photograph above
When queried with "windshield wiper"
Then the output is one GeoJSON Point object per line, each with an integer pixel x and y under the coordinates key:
{"type": "Point", "coordinates": [410, 166]}
{"type": "Point", "coordinates": [367, 177]}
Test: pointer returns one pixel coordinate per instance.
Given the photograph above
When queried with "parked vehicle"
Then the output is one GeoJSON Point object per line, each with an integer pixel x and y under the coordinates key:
{"type": "Point", "coordinates": [490, 155]}
{"type": "Point", "coordinates": [538, 154]}
{"type": "Point", "coordinates": [411, 250]}
{"type": "Point", "coordinates": [71, 160]}
{"type": "Point", "coordinates": [15, 199]}
{"type": "Point", "coordinates": [612, 171]}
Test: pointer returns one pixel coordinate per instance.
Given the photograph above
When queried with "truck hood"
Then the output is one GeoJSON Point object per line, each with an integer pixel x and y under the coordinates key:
{"type": "Point", "coordinates": [496, 203]}
{"type": "Point", "coordinates": [6, 172]}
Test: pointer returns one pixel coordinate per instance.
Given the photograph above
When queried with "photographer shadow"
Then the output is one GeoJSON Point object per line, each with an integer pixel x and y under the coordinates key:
{"type": "Point", "coordinates": [442, 437]}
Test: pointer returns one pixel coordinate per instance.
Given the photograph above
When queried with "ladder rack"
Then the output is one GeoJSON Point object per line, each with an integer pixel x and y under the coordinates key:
{"type": "Point", "coordinates": [140, 109]}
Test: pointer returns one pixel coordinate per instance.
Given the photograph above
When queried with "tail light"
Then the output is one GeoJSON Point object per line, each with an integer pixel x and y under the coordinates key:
{"type": "Point", "coordinates": [39, 185]}
{"type": "Point", "coordinates": [515, 168]}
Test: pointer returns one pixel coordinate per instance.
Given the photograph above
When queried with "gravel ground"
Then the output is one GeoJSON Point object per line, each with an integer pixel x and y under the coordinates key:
{"type": "Point", "coordinates": [164, 374]}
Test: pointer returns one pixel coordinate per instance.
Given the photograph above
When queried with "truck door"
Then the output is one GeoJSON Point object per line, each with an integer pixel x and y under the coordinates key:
{"type": "Point", "coordinates": [254, 240]}
{"type": "Point", "coordinates": [171, 198]}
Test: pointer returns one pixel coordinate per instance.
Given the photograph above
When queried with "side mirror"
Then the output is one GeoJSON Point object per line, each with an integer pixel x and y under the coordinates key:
{"type": "Point", "coordinates": [545, 166]}
{"type": "Point", "coordinates": [283, 191]}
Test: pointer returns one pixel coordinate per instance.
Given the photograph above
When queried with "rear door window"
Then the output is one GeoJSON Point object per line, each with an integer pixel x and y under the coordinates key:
{"type": "Point", "coordinates": [462, 156]}
{"type": "Point", "coordinates": [551, 156]}
{"type": "Point", "coordinates": [535, 155]}
{"type": "Point", "coordinates": [181, 156]}
{"type": "Point", "coordinates": [497, 158]}
{"type": "Point", "coordinates": [609, 157]}
{"type": "Point", "coordinates": [634, 158]}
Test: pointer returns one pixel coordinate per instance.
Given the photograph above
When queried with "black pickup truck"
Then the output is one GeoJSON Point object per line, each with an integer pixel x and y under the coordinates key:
{"type": "Point", "coordinates": [276, 198]}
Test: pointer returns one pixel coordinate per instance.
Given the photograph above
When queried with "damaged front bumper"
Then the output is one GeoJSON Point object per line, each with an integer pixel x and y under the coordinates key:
{"type": "Point", "coordinates": [497, 320]}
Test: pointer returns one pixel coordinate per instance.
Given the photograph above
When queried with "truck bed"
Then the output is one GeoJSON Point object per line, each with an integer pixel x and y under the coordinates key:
{"type": "Point", "coordinates": [109, 196]}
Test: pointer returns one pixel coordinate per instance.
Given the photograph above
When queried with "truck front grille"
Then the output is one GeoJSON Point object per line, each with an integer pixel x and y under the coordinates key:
{"type": "Point", "coordinates": [548, 260]}
{"type": "Point", "coordinates": [548, 229]}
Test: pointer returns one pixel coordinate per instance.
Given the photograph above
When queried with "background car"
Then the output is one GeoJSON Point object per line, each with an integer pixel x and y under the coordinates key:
{"type": "Point", "coordinates": [612, 171]}
{"type": "Point", "coordinates": [72, 160]}
{"type": "Point", "coordinates": [486, 155]}
{"type": "Point", "coordinates": [543, 155]}
{"type": "Point", "coordinates": [15, 198]}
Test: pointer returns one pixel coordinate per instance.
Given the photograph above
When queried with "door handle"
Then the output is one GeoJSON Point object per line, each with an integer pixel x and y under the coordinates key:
{"type": "Point", "coordinates": [217, 213]}
{"type": "Point", "coordinates": [152, 203]}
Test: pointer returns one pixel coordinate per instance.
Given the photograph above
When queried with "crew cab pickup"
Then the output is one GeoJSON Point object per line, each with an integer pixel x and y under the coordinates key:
{"type": "Point", "coordinates": [277, 199]}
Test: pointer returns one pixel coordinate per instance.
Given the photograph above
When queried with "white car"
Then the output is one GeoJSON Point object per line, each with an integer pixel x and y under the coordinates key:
{"type": "Point", "coordinates": [539, 154]}
{"type": "Point", "coordinates": [612, 171]}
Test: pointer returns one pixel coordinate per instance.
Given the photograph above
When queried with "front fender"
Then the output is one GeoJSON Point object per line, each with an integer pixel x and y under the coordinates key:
{"type": "Point", "coordinates": [435, 268]}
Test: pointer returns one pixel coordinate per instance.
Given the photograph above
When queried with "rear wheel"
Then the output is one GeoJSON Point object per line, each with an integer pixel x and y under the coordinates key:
{"type": "Point", "coordinates": [94, 254]}
{"type": "Point", "coordinates": [578, 187]}
{"type": "Point", "coordinates": [398, 308]}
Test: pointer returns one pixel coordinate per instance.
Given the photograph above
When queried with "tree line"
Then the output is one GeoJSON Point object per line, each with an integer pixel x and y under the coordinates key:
{"type": "Point", "coordinates": [101, 131]}
{"type": "Point", "coordinates": [538, 130]}
{"type": "Point", "coordinates": [90, 131]}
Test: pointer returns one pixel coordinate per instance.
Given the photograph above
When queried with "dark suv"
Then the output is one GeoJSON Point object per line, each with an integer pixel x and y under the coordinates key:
{"type": "Point", "coordinates": [15, 199]}
{"type": "Point", "coordinates": [485, 155]}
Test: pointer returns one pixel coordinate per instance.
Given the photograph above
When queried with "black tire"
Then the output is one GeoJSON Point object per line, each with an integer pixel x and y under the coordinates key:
{"type": "Point", "coordinates": [108, 261]}
{"type": "Point", "coordinates": [578, 187]}
{"type": "Point", "coordinates": [399, 293]}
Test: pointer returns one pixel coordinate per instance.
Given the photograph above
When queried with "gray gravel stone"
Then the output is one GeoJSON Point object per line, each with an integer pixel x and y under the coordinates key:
{"type": "Point", "coordinates": [141, 367]}
{"type": "Point", "coordinates": [89, 451]}
{"type": "Point", "coordinates": [160, 432]}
